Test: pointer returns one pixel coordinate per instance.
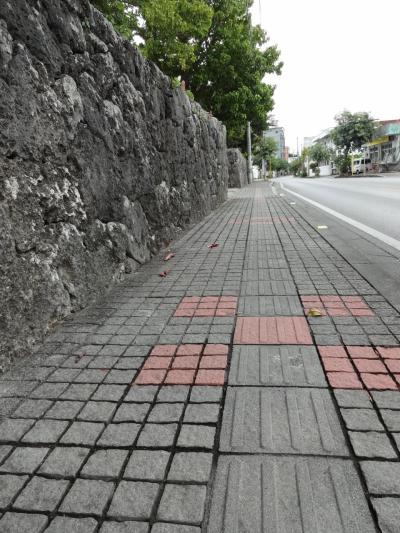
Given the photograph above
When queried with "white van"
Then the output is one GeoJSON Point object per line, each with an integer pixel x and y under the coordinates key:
{"type": "Point", "coordinates": [360, 164]}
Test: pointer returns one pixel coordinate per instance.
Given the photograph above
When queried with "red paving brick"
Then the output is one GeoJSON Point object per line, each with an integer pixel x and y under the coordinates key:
{"type": "Point", "coordinates": [157, 362]}
{"type": "Point", "coordinates": [164, 350]}
{"type": "Point", "coordinates": [216, 349]}
{"type": "Point", "coordinates": [214, 361]}
{"type": "Point", "coordinates": [272, 330]}
{"type": "Point", "coordinates": [180, 368]}
{"type": "Point", "coordinates": [378, 382]}
{"type": "Point", "coordinates": [332, 305]}
{"type": "Point", "coordinates": [389, 353]}
{"type": "Point", "coordinates": [393, 364]}
{"type": "Point", "coordinates": [210, 377]}
{"type": "Point", "coordinates": [337, 364]}
{"type": "Point", "coordinates": [344, 380]}
{"type": "Point", "coordinates": [180, 377]}
{"type": "Point", "coordinates": [207, 306]}
{"type": "Point", "coordinates": [397, 376]}
{"type": "Point", "coordinates": [370, 365]}
{"type": "Point", "coordinates": [150, 377]}
{"type": "Point", "coordinates": [332, 351]}
{"type": "Point", "coordinates": [190, 349]}
{"type": "Point", "coordinates": [362, 352]}
{"type": "Point", "coordinates": [186, 361]}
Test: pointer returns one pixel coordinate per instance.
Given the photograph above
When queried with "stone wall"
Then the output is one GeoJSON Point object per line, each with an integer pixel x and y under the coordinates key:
{"type": "Point", "coordinates": [237, 168]}
{"type": "Point", "coordinates": [101, 163]}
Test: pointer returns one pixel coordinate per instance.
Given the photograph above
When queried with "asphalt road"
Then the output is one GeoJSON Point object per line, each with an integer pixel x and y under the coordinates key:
{"type": "Point", "coordinates": [374, 202]}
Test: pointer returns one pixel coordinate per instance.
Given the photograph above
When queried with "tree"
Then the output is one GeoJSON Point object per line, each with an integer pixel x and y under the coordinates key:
{"type": "Point", "coordinates": [211, 45]}
{"type": "Point", "coordinates": [264, 150]}
{"type": "Point", "coordinates": [319, 152]}
{"type": "Point", "coordinates": [352, 131]}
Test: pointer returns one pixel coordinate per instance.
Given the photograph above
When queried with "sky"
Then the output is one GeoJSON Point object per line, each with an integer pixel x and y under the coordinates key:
{"type": "Point", "coordinates": [342, 54]}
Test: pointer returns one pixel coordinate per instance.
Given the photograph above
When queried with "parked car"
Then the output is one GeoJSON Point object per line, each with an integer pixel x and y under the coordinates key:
{"type": "Point", "coordinates": [359, 165]}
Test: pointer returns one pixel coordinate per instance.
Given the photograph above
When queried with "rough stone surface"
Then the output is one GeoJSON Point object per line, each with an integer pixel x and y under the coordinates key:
{"type": "Point", "coordinates": [237, 168]}
{"type": "Point", "coordinates": [102, 163]}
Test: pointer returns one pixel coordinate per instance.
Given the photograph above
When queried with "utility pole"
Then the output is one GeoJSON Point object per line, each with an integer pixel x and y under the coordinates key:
{"type": "Point", "coordinates": [249, 156]}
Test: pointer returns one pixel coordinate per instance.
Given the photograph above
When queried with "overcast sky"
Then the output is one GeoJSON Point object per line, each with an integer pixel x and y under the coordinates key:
{"type": "Point", "coordinates": [338, 55]}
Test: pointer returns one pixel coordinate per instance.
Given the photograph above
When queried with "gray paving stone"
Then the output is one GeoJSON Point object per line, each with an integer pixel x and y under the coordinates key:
{"type": "Point", "coordinates": [131, 412]}
{"type": "Point", "coordinates": [85, 433]}
{"type": "Point", "coordinates": [353, 398]}
{"type": "Point", "coordinates": [269, 306]}
{"type": "Point", "coordinates": [296, 494]}
{"type": "Point", "coordinates": [382, 477]}
{"type": "Point", "coordinates": [63, 375]}
{"type": "Point", "coordinates": [191, 467]}
{"type": "Point", "coordinates": [276, 365]}
{"type": "Point", "coordinates": [64, 461]}
{"type": "Point", "coordinates": [123, 434]}
{"type": "Point", "coordinates": [157, 435]}
{"type": "Point", "coordinates": [362, 420]}
{"type": "Point", "coordinates": [24, 460]}
{"type": "Point", "coordinates": [41, 494]}
{"type": "Point", "coordinates": [133, 500]}
{"type": "Point", "coordinates": [49, 391]}
{"type": "Point", "coordinates": [147, 465]}
{"type": "Point", "coordinates": [206, 394]}
{"type": "Point", "coordinates": [32, 409]}
{"type": "Point", "coordinates": [371, 444]}
{"type": "Point", "coordinates": [388, 511]}
{"type": "Point", "coordinates": [13, 429]}
{"type": "Point", "coordinates": [103, 361]}
{"type": "Point", "coordinates": [87, 497]}
{"type": "Point", "coordinates": [387, 399]}
{"type": "Point", "coordinates": [64, 524]}
{"type": "Point", "coordinates": [129, 363]}
{"type": "Point", "coordinates": [166, 412]}
{"type": "Point", "coordinates": [105, 464]}
{"type": "Point", "coordinates": [391, 419]}
{"type": "Point", "coordinates": [268, 420]}
{"type": "Point", "coordinates": [22, 523]}
{"type": "Point", "coordinates": [196, 436]}
{"type": "Point", "coordinates": [10, 486]}
{"type": "Point", "coordinates": [82, 392]}
{"type": "Point", "coordinates": [64, 410]}
{"type": "Point", "coordinates": [182, 503]}
{"type": "Point", "coordinates": [109, 393]}
{"type": "Point", "coordinates": [173, 393]}
{"type": "Point", "coordinates": [201, 413]}
{"type": "Point", "coordinates": [4, 451]}
{"type": "Point", "coordinates": [97, 411]}
{"type": "Point", "coordinates": [141, 393]}
{"type": "Point", "coordinates": [125, 527]}
{"type": "Point", "coordinates": [174, 528]}
{"type": "Point", "coordinates": [45, 431]}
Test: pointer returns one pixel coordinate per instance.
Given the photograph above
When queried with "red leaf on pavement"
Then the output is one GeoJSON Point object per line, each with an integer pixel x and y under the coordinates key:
{"type": "Point", "coordinates": [169, 256]}
{"type": "Point", "coordinates": [163, 274]}
{"type": "Point", "coordinates": [213, 245]}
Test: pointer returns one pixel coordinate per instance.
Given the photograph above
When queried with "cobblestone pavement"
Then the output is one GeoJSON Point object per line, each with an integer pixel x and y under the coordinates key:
{"type": "Point", "coordinates": [207, 400]}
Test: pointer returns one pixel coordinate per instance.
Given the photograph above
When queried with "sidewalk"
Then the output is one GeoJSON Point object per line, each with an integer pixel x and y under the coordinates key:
{"type": "Point", "coordinates": [206, 400]}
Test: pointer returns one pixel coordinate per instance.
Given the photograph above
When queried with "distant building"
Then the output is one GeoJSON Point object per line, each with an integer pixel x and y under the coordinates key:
{"type": "Point", "coordinates": [384, 148]}
{"type": "Point", "coordinates": [286, 153]}
{"type": "Point", "coordinates": [278, 134]}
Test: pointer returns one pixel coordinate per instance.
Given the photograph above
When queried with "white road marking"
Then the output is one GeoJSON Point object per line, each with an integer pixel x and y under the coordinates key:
{"type": "Point", "coordinates": [367, 229]}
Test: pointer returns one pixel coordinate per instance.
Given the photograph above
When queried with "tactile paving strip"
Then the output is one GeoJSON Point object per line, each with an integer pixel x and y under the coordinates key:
{"type": "Point", "coordinates": [272, 330]}
{"type": "Point", "coordinates": [289, 495]}
{"type": "Point", "coordinates": [276, 366]}
{"type": "Point", "coordinates": [274, 420]}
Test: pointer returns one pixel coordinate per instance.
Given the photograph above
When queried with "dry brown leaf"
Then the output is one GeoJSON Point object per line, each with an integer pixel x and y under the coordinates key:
{"type": "Point", "coordinates": [163, 274]}
{"type": "Point", "coordinates": [169, 256]}
{"type": "Point", "coordinates": [213, 245]}
{"type": "Point", "coordinates": [314, 312]}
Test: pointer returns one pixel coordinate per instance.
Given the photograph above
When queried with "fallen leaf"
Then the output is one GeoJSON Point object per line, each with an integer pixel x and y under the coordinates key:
{"type": "Point", "coordinates": [169, 256]}
{"type": "Point", "coordinates": [314, 312]}
{"type": "Point", "coordinates": [213, 245]}
{"type": "Point", "coordinates": [163, 274]}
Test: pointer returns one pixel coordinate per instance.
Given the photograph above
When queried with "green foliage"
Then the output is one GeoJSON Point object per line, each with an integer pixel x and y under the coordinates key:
{"type": "Point", "coordinates": [213, 47]}
{"type": "Point", "coordinates": [295, 166]}
{"type": "Point", "coordinates": [264, 149]}
{"type": "Point", "coordinates": [121, 18]}
{"type": "Point", "coordinates": [343, 164]}
{"type": "Point", "coordinates": [315, 168]}
{"type": "Point", "coordinates": [352, 130]}
{"type": "Point", "coordinates": [319, 152]}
